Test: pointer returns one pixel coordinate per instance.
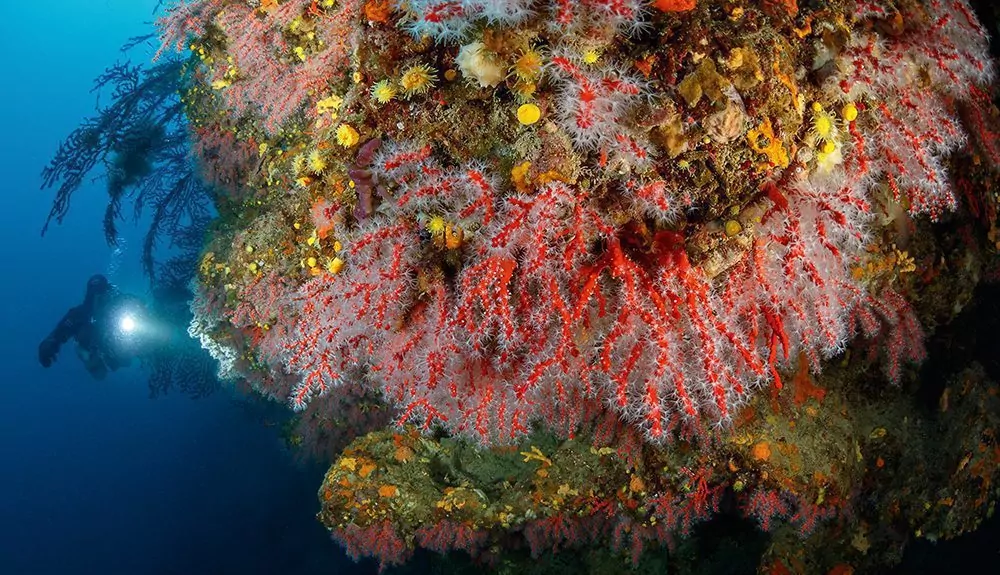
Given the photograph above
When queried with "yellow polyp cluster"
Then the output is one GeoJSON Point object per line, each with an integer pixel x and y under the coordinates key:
{"type": "Point", "coordinates": [317, 163]}
{"type": "Point", "coordinates": [436, 225]}
{"type": "Point", "coordinates": [299, 164]}
{"type": "Point", "coordinates": [315, 266]}
{"type": "Point", "coordinates": [732, 227]}
{"type": "Point", "coordinates": [826, 133]}
{"type": "Point", "coordinates": [228, 77]}
{"type": "Point", "coordinates": [849, 112]}
{"type": "Point", "coordinates": [826, 161]}
{"type": "Point", "coordinates": [526, 71]}
{"type": "Point", "coordinates": [267, 6]}
{"type": "Point", "coordinates": [904, 261]}
{"type": "Point", "coordinates": [318, 257]}
{"type": "Point", "coordinates": [444, 234]}
{"type": "Point", "coordinates": [824, 124]}
{"type": "Point", "coordinates": [207, 261]}
{"type": "Point", "coordinates": [880, 264]}
{"type": "Point", "coordinates": [329, 105]}
{"type": "Point", "coordinates": [383, 92]}
{"type": "Point", "coordinates": [528, 65]}
{"type": "Point", "coordinates": [203, 54]}
{"type": "Point", "coordinates": [347, 136]}
{"type": "Point", "coordinates": [417, 80]}
{"type": "Point", "coordinates": [335, 265]}
{"type": "Point", "coordinates": [458, 498]}
{"type": "Point", "coordinates": [524, 89]}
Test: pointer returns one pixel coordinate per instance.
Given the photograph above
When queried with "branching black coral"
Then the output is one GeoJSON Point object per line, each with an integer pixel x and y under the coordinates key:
{"type": "Point", "coordinates": [138, 144]}
{"type": "Point", "coordinates": [180, 363]}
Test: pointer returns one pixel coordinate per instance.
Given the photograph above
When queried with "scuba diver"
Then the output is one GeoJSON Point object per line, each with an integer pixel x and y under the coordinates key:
{"type": "Point", "coordinates": [106, 327]}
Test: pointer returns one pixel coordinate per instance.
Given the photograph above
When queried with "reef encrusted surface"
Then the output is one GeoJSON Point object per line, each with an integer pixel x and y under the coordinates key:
{"type": "Point", "coordinates": [611, 267]}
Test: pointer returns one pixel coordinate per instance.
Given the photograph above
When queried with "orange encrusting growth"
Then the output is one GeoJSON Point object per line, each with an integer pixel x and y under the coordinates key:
{"type": "Point", "coordinates": [674, 5]}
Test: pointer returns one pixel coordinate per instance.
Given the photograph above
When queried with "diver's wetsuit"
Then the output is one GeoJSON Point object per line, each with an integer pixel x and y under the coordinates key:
{"type": "Point", "coordinates": [92, 324]}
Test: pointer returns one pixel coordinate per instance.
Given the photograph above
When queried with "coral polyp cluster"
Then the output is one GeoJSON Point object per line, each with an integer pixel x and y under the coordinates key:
{"type": "Point", "coordinates": [595, 256]}
{"type": "Point", "coordinates": [506, 217]}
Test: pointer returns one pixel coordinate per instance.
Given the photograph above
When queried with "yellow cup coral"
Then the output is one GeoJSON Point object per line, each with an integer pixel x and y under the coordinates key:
{"type": "Point", "coordinates": [347, 136]}
{"type": "Point", "coordinates": [528, 114]}
{"type": "Point", "coordinates": [383, 92]}
{"type": "Point", "coordinates": [417, 80]}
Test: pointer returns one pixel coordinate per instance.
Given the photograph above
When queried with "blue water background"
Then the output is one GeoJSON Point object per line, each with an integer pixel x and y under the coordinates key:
{"type": "Point", "coordinates": [95, 477]}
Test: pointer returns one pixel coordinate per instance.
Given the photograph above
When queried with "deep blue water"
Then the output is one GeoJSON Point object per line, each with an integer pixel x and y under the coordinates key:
{"type": "Point", "coordinates": [95, 477]}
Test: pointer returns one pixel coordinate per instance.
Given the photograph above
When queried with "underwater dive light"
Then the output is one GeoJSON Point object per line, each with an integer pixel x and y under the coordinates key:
{"type": "Point", "coordinates": [127, 323]}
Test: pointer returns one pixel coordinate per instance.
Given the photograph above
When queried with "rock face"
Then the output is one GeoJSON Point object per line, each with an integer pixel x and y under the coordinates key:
{"type": "Point", "coordinates": [614, 268]}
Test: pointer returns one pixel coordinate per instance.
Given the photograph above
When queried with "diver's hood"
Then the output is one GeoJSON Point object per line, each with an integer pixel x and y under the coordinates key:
{"type": "Point", "coordinates": [97, 285]}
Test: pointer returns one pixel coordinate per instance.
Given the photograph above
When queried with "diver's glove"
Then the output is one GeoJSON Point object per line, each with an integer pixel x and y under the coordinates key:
{"type": "Point", "coordinates": [47, 351]}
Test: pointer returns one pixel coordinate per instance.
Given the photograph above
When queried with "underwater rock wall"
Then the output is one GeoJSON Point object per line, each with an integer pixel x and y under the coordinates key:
{"type": "Point", "coordinates": [649, 259]}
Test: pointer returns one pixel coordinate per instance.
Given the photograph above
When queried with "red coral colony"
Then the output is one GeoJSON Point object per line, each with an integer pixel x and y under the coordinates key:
{"type": "Point", "coordinates": [550, 274]}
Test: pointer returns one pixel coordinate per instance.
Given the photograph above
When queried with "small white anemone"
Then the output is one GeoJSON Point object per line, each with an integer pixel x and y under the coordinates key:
{"type": "Point", "coordinates": [478, 66]}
